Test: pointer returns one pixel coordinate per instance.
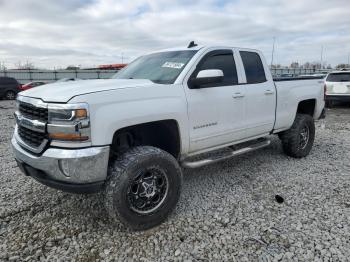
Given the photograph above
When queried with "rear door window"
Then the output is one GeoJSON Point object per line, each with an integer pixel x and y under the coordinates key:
{"type": "Point", "coordinates": [253, 66]}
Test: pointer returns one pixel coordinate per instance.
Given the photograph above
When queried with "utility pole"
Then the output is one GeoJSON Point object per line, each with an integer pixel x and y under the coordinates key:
{"type": "Point", "coordinates": [273, 51]}
{"type": "Point", "coordinates": [321, 57]}
{"type": "Point", "coordinates": [122, 58]}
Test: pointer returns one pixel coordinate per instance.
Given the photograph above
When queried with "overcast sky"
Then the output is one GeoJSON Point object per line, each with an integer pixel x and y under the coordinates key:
{"type": "Point", "coordinates": [52, 33]}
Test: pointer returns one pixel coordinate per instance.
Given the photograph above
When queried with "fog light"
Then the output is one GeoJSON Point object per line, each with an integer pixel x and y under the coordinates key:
{"type": "Point", "coordinates": [64, 167]}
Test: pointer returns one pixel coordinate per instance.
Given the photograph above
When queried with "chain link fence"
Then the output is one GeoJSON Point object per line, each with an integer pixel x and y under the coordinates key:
{"type": "Point", "coordinates": [298, 71]}
{"type": "Point", "coordinates": [25, 76]}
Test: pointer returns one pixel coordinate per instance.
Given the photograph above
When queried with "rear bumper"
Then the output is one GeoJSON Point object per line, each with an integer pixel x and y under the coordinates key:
{"type": "Point", "coordinates": [339, 98]}
{"type": "Point", "coordinates": [66, 169]}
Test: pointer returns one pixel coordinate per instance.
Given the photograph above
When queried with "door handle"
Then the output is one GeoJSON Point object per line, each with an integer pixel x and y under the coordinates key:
{"type": "Point", "coordinates": [237, 95]}
{"type": "Point", "coordinates": [269, 92]}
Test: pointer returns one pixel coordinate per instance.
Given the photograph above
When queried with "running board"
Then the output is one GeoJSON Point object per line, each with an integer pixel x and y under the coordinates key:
{"type": "Point", "coordinates": [212, 160]}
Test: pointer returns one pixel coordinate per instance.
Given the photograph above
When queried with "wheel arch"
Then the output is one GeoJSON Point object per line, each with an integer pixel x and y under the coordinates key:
{"type": "Point", "coordinates": [307, 107]}
{"type": "Point", "coordinates": [163, 134]}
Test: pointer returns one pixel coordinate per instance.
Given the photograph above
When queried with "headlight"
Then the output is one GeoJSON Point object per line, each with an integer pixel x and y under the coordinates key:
{"type": "Point", "coordinates": [59, 115]}
{"type": "Point", "coordinates": [69, 123]}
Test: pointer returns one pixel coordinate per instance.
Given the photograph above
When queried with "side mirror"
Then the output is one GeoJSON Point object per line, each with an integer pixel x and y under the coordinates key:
{"type": "Point", "coordinates": [208, 76]}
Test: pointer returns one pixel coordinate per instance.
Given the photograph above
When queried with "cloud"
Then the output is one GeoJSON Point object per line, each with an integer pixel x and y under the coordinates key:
{"type": "Point", "coordinates": [59, 33]}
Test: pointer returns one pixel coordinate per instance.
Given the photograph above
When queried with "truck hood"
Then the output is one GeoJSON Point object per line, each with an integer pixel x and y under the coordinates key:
{"type": "Point", "coordinates": [64, 91]}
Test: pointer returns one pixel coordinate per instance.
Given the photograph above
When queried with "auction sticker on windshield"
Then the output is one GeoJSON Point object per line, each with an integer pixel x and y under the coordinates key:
{"type": "Point", "coordinates": [173, 65]}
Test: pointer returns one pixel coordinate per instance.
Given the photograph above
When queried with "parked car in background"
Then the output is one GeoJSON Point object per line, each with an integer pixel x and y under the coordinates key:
{"type": "Point", "coordinates": [9, 87]}
{"type": "Point", "coordinates": [313, 75]}
{"type": "Point", "coordinates": [31, 85]}
{"type": "Point", "coordinates": [68, 79]}
{"type": "Point", "coordinates": [320, 75]}
{"type": "Point", "coordinates": [337, 87]}
{"type": "Point", "coordinates": [285, 76]}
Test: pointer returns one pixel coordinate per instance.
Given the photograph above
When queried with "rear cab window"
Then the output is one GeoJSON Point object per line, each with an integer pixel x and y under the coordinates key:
{"type": "Point", "coordinates": [253, 67]}
{"type": "Point", "coordinates": [338, 77]}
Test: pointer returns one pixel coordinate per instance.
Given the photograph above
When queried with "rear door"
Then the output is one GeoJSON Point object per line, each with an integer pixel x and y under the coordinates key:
{"type": "Point", "coordinates": [260, 94]}
{"type": "Point", "coordinates": [216, 112]}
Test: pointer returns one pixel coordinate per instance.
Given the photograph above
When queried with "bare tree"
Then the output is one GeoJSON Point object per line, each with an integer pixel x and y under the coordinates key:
{"type": "Point", "coordinates": [2, 66]}
{"type": "Point", "coordinates": [294, 65]}
{"type": "Point", "coordinates": [27, 65]}
{"type": "Point", "coordinates": [340, 66]}
{"type": "Point", "coordinates": [307, 65]}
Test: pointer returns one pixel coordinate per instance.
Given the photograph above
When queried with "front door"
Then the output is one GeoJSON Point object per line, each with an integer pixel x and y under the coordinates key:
{"type": "Point", "coordinates": [216, 111]}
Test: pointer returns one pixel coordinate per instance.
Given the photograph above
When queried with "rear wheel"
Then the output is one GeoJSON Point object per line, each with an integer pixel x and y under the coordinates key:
{"type": "Point", "coordinates": [298, 140]}
{"type": "Point", "coordinates": [10, 95]}
{"type": "Point", "coordinates": [143, 187]}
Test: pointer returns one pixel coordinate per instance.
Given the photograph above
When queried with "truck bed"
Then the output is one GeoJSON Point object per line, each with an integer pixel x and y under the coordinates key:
{"type": "Point", "coordinates": [292, 90]}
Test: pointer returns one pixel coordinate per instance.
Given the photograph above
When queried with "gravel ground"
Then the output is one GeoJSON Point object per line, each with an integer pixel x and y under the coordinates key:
{"type": "Point", "coordinates": [227, 211]}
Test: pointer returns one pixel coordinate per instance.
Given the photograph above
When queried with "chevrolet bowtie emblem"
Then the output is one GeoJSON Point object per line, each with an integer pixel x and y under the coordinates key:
{"type": "Point", "coordinates": [34, 125]}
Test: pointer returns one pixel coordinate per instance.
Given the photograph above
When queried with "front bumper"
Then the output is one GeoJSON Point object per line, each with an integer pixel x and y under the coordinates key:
{"type": "Point", "coordinates": [42, 177]}
{"type": "Point", "coordinates": [66, 169]}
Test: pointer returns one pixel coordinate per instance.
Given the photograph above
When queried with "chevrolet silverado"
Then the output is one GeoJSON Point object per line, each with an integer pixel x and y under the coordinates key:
{"type": "Point", "coordinates": [129, 137]}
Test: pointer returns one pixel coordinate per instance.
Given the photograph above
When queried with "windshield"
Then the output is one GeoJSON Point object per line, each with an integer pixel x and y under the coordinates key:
{"type": "Point", "coordinates": [338, 77]}
{"type": "Point", "coordinates": [161, 68]}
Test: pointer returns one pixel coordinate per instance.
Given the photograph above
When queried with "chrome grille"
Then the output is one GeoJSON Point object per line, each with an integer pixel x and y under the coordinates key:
{"type": "Point", "coordinates": [33, 112]}
{"type": "Point", "coordinates": [31, 118]}
{"type": "Point", "coordinates": [30, 137]}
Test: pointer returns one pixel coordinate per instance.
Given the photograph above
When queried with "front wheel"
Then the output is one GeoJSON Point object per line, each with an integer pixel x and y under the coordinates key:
{"type": "Point", "coordinates": [10, 95]}
{"type": "Point", "coordinates": [143, 187]}
{"type": "Point", "coordinates": [298, 140]}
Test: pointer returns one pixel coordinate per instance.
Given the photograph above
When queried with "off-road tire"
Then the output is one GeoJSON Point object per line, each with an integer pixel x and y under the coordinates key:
{"type": "Point", "coordinates": [291, 138]}
{"type": "Point", "coordinates": [10, 95]}
{"type": "Point", "coordinates": [122, 173]}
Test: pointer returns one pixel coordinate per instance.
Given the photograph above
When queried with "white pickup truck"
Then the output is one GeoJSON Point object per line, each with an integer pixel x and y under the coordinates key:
{"type": "Point", "coordinates": [129, 136]}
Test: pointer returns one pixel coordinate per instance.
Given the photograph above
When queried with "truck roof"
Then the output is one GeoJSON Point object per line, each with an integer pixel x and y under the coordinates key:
{"type": "Point", "coordinates": [198, 47]}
